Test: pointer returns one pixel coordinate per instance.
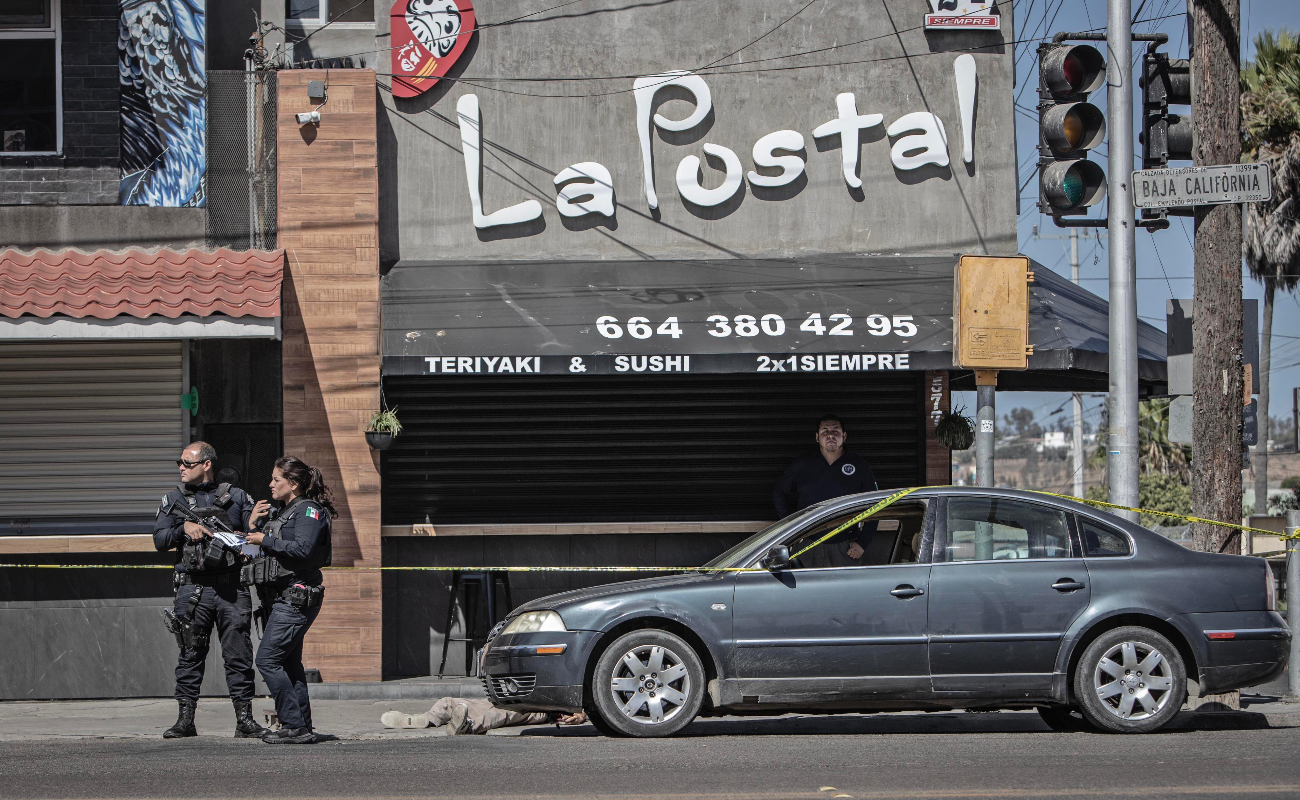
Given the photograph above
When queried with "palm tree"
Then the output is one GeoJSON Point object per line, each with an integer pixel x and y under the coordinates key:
{"type": "Point", "coordinates": [1157, 453]}
{"type": "Point", "coordinates": [1270, 106]}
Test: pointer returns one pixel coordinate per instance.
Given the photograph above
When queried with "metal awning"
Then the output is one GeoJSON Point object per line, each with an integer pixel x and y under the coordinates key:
{"type": "Point", "coordinates": [819, 313]}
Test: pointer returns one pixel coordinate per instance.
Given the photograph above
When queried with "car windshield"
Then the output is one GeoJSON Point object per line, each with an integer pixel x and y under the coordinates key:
{"type": "Point", "coordinates": [735, 557]}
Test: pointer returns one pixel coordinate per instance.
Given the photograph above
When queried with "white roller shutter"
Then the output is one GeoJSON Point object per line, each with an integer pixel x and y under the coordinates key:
{"type": "Point", "coordinates": [88, 429]}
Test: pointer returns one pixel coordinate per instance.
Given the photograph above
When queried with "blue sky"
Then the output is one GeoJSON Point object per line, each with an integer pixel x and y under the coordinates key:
{"type": "Point", "coordinates": [1164, 258]}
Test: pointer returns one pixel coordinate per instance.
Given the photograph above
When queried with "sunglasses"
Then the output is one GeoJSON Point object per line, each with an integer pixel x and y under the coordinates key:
{"type": "Point", "coordinates": [180, 462]}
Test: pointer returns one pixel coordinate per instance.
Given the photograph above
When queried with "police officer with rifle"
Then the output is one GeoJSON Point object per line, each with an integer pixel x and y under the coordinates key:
{"type": "Point", "coordinates": [208, 591]}
{"type": "Point", "coordinates": [295, 542]}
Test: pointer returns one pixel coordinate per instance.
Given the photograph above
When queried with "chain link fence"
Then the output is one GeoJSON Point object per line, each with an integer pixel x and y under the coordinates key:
{"type": "Point", "coordinates": [241, 160]}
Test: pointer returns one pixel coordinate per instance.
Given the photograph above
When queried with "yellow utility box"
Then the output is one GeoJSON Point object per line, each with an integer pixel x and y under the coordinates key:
{"type": "Point", "coordinates": [990, 313]}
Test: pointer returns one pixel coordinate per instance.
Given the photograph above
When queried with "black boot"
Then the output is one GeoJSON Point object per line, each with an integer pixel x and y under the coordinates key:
{"type": "Point", "coordinates": [290, 736]}
{"type": "Point", "coordinates": [245, 726]}
{"type": "Point", "coordinates": [184, 722]}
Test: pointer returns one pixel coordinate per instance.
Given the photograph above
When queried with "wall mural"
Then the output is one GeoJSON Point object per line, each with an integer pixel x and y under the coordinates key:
{"type": "Point", "coordinates": [164, 104]}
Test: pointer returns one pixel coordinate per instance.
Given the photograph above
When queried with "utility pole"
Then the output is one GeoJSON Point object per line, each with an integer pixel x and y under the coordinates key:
{"type": "Point", "coordinates": [1217, 323]}
{"type": "Point", "coordinates": [1076, 441]}
{"type": "Point", "coordinates": [1122, 443]}
{"type": "Point", "coordinates": [986, 415]}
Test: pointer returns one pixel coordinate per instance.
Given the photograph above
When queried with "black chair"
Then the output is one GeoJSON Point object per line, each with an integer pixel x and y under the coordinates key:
{"type": "Point", "coordinates": [472, 585]}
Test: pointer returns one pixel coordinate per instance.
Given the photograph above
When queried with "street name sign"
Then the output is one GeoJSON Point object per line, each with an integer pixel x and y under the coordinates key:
{"type": "Point", "coordinates": [1201, 186]}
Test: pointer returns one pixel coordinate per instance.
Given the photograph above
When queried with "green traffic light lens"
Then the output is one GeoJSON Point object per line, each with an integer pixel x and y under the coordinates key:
{"type": "Point", "coordinates": [1072, 188]}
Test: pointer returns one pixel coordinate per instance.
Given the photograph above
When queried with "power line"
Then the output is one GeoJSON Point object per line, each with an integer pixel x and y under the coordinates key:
{"type": "Point", "coordinates": [761, 38]}
{"type": "Point", "coordinates": [621, 77]}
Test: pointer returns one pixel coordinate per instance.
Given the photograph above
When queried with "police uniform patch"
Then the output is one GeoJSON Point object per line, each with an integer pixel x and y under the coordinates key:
{"type": "Point", "coordinates": [313, 513]}
{"type": "Point", "coordinates": [848, 469]}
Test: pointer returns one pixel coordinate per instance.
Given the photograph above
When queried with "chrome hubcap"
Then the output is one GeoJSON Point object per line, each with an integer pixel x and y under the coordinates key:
{"type": "Point", "coordinates": [650, 684]}
{"type": "Point", "coordinates": [1133, 681]}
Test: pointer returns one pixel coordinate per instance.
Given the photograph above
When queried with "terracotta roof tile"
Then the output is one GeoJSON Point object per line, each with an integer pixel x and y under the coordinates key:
{"type": "Point", "coordinates": [136, 283]}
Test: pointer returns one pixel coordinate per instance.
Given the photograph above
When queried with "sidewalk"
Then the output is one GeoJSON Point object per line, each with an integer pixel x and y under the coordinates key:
{"type": "Point", "coordinates": [359, 718]}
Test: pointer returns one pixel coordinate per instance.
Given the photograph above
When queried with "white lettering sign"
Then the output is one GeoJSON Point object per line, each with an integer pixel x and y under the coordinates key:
{"type": "Point", "coordinates": [499, 365]}
{"type": "Point", "coordinates": [1202, 186]}
{"type": "Point", "coordinates": [931, 142]}
{"type": "Point", "coordinates": [644, 90]}
{"type": "Point", "coordinates": [847, 126]}
{"type": "Point", "coordinates": [588, 187]}
{"type": "Point", "coordinates": [585, 188]}
{"type": "Point", "coordinates": [688, 184]}
{"type": "Point", "coordinates": [765, 156]}
{"type": "Point", "coordinates": [471, 145]}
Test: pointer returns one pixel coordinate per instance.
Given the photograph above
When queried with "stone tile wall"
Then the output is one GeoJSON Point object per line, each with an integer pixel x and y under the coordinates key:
{"type": "Point", "coordinates": [328, 216]}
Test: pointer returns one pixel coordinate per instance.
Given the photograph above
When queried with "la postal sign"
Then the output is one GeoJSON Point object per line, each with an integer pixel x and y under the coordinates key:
{"type": "Point", "coordinates": [1202, 186]}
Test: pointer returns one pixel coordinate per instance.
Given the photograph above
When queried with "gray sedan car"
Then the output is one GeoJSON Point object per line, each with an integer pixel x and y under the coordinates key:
{"type": "Point", "coordinates": [961, 598]}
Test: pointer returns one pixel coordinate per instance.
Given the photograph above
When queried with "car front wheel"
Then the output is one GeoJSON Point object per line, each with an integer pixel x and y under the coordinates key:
{"type": "Point", "coordinates": [1130, 680]}
{"type": "Point", "coordinates": [648, 683]}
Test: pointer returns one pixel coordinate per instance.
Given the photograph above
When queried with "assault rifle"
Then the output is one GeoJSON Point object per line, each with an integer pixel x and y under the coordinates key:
{"type": "Point", "coordinates": [225, 539]}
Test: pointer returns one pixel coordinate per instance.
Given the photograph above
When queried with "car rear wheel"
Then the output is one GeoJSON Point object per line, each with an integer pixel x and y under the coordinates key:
{"type": "Point", "coordinates": [648, 683]}
{"type": "Point", "coordinates": [1065, 719]}
{"type": "Point", "coordinates": [1130, 680]}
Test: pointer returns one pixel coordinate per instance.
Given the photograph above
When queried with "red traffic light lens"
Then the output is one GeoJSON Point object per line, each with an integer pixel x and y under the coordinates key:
{"type": "Point", "coordinates": [1069, 70]}
{"type": "Point", "coordinates": [1073, 70]}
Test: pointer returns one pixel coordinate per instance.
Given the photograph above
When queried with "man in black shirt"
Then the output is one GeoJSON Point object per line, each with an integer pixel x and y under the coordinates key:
{"type": "Point", "coordinates": [830, 472]}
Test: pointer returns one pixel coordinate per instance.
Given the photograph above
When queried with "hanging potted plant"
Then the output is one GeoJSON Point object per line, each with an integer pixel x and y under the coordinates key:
{"type": "Point", "coordinates": [955, 430]}
{"type": "Point", "coordinates": [382, 428]}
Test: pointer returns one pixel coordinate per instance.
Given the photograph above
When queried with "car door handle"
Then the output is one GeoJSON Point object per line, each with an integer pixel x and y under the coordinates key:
{"type": "Point", "coordinates": [1067, 585]}
{"type": "Point", "coordinates": [905, 591]}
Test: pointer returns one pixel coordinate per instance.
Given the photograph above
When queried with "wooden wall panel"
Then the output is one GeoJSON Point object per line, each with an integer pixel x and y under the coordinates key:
{"type": "Point", "coordinates": [328, 206]}
{"type": "Point", "coordinates": [938, 459]}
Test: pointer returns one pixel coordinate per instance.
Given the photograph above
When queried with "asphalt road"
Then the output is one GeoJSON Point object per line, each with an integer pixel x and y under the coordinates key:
{"type": "Point", "coordinates": [885, 756]}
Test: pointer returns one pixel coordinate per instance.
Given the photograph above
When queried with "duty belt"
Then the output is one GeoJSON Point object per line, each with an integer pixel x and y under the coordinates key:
{"type": "Point", "coordinates": [205, 579]}
{"type": "Point", "coordinates": [302, 596]}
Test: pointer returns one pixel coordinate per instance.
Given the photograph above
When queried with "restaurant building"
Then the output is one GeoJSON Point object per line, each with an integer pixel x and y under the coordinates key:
{"type": "Point", "coordinates": [608, 268]}
{"type": "Point", "coordinates": [630, 258]}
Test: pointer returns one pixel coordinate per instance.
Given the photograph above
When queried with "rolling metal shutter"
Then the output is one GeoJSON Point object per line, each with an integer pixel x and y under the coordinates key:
{"type": "Point", "coordinates": [87, 429]}
{"type": "Point", "coordinates": [617, 449]}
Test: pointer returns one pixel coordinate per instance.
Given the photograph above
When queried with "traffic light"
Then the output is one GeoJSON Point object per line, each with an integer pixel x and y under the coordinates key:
{"type": "Point", "coordinates": [1165, 137]}
{"type": "Point", "coordinates": [1068, 127]}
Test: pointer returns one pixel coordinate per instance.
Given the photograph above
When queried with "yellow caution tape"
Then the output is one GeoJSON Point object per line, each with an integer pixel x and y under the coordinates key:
{"type": "Point", "coordinates": [1234, 526]}
{"type": "Point", "coordinates": [415, 569]}
{"type": "Point", "coordinates": [888, 501]}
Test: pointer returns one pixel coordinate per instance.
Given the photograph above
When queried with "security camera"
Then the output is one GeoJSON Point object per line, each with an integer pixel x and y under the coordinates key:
{"type": "Point", "coordinates": [309, 118]}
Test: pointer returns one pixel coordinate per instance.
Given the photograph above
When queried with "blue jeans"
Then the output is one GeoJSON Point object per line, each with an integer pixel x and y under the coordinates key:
{"type": "Point", "coordinates": [279, 659]}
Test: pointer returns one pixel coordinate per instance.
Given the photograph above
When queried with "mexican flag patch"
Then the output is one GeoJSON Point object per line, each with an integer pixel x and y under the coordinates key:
{"type": "Point", "coordinates": [313, 513]}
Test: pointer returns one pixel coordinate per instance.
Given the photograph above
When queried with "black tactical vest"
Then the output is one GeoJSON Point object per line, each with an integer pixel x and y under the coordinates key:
{"type": "Point", "coordinates": [194, 554]}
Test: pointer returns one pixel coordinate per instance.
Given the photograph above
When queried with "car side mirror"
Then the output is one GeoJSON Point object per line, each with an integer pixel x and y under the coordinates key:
{"type": "Point", "coordinates": [777, 558]}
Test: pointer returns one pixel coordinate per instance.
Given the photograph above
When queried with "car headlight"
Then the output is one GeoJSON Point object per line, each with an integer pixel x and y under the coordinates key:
{"type": "Point", "coordinates": [536, 622]}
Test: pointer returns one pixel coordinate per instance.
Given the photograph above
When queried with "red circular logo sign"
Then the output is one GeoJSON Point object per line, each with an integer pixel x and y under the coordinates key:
{"type": "Point", "coordinates": [428, 37]}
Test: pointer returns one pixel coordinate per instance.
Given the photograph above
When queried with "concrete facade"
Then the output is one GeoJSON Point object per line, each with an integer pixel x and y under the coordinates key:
{"type": "Point", "coordinates": [531, 134]}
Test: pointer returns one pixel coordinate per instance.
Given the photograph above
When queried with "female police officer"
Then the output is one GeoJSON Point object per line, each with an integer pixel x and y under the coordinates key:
{"type": "Point", "coordinates": [295, 545]}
